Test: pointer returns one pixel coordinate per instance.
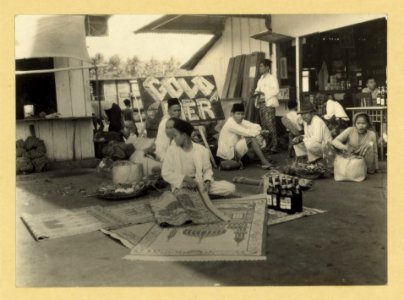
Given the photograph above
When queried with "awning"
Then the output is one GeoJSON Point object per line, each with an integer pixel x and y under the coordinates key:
{"type": "Point", "coordinates": [205, 24]}
{"type": "Point", "coordinates": [51, 36]}
{"type": "Point", "coordinates": [185, 24]}
{"type": "Point", "coordinates": [271, 37]}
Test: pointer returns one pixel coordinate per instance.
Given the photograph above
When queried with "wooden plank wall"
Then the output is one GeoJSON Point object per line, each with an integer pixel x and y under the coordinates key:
{"type": "Point", "coordinates": [58, 137]}
{"type": "Point", "coordinates": [72, 88]}
{"type": "Point", "coordinates": [235, 41]}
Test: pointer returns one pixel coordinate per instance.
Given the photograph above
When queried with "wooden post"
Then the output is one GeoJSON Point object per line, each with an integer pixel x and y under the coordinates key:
{"type": "Point", "coordinates": [298, 46]}
{"type": "Point", "coordinates": [212, 159]}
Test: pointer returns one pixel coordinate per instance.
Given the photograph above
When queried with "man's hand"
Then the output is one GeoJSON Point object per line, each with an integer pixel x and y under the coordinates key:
{"type": "Point", "coordinates": [189, 183]}
{"type": "Point", "coordinates": [298, 140]}
{"type": "Point", "coordinates": [350, 150]}
{"type": "Point", "coordinates": [206, 186]}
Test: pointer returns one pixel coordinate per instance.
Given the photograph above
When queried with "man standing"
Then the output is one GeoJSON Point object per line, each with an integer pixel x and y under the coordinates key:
{"type": "Point", "coordinates": [163, 140]}
{"type": "Point", "coordinates": [315, 138]}
{"type": "Point", "coordinates": [267, 90]}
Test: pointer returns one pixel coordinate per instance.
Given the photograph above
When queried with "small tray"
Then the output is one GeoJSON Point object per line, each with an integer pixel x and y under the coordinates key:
{"type": "Point", "coordinates": [121, 196]}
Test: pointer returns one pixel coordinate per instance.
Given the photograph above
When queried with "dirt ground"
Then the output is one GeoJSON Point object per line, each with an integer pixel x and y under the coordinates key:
{"type": "Point", "coordinates": [345, 246]}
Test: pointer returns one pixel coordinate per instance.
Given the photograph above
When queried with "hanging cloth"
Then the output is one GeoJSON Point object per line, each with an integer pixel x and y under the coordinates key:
{"type": "Point", "coordinates": [323, 76]}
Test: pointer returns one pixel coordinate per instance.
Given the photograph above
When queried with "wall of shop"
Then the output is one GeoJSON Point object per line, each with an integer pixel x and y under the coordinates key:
{"type": "Point", "coordinates": [72, 88]}
{"type": "Point", "coordinates": [71, 135]}
{"type": "Point", "coordinates": [65, 139]}
{"type": "Point", "coordinates": [300, 25]}
{"type": "Point", "coordinates": [234, 41]}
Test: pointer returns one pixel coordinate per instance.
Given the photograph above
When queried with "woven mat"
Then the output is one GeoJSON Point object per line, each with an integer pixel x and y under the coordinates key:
{"type": "Point", "coordinates": [277, 217]}
{"type": "Point", "coordinates": [242, 238]}
{"type": "Point", "coordinates": [64, 222]}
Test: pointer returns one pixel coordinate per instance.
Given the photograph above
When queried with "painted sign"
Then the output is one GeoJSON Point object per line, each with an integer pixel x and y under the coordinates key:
{"type": "Point", "coordinates": [197, 94]}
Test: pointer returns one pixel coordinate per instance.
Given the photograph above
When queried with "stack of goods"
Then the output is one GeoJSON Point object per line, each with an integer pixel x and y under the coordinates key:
{"type": "Point", "coordinates": [242, 76]}
{"type": "Point", "coordinates": [114, 151]}
{"type": "Point", "coordinates": [31, 155]}
{"type": "Point", "coordinates": [283, 193]}
{"type": "Point", "coordinates": [118, 150]}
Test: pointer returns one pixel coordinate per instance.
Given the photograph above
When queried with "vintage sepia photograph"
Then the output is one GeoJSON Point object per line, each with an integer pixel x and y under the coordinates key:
{"type": "Point", "coordinates": [210, 150]}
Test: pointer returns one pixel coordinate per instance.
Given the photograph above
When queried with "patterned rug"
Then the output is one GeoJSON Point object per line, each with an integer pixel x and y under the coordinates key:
{"type": "Point", "coordinates": [241, 238]}
{"type": "Point", "coordinates": [64, 222]}
{"type": "Point", "coordinates": [278, 217]}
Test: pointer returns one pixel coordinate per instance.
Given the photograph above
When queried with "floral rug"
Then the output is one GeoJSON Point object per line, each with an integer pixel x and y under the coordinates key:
{"type": "Point", "coordinates": [240, 238]}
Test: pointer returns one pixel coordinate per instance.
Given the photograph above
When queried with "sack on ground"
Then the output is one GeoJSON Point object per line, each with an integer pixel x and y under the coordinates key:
{"type": "Point", "coordinates": [228, 165]}
{"type": "Point", "coordinates": [349, 168]}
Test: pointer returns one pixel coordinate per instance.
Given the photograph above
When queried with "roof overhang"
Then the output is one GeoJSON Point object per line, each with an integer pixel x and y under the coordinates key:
{"type": "Point", "coordinates": [201, 24]}
{"type": "Point", "coordinates": [271, 37]}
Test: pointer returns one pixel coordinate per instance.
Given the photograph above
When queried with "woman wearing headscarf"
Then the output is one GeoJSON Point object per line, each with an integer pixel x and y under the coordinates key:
{"type": "Point", "coordinates": [360, 139]}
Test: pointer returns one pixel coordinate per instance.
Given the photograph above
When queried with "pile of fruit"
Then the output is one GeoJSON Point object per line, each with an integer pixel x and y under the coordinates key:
{"type": "Point", "coordinates": [125, 191]}
{"type": "Point", "coordinates": [310, 171]}
{"type": "Point", "coordinates": [31, 155]}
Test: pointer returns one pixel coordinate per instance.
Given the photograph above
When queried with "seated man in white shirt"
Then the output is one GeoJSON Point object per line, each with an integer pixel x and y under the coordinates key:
{"type": "Point", "coordinates": [293, 124]}
{"type": "Point", "coordinates": [162, 139]}
{"type": "Point", "coordinates": [237, 135]}
{"type": "Point", "coordinates": [334, 108]}
{"type": "Point", "coordinates": [335, 117]}
{"type": "Point", "coordinates": [187, 163]}
{"type": "Point", "coordinates": [316, 135]}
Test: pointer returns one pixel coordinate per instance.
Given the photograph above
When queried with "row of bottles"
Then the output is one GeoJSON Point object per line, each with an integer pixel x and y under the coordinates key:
{"type": "Point", "coordinates": [283, 193]}
{"type": "Point", "coordinates": [381, 98]}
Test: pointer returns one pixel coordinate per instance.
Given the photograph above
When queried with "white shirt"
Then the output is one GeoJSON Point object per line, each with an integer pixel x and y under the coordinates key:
{"type": "Point", "coordinates": [174, 169]}
{"type": "Point", "coordinates": [334, 108]}
{"type": "Point", "coordinates": [296, 119]}
{"type": "Point", "coordinates": [268, 84]}
{"type": "Point", "coordinates": [162, 140]}
{"type": "Point", "coordinates": [316, 132]}
{"type": "Point", "coordinates": [231, 133]}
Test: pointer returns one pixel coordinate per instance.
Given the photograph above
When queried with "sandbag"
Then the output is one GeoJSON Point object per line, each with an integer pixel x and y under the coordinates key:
{"type": "Point", "coordinates": [228, 165]}
{"type": "Point", "coordinates": [349, 168]}
{"type": "Point", "coordinates": [126, 172]}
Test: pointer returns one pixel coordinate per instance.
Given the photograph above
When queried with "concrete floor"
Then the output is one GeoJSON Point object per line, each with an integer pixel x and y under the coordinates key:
{"type": "Point", "coordinates": [345, 246]}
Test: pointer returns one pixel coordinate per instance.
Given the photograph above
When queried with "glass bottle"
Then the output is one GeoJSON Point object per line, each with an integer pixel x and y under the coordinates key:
{"type": "Point", "coordinates": [276, 193]}
{"type": "Point", "coordinates": [285, 202]}
{"type": "Point", "coordinates": [378, 97]}
{"type": "Point", "coordinates": [298, 196]}
{"type": "Point", "coordinates": [269, 192]}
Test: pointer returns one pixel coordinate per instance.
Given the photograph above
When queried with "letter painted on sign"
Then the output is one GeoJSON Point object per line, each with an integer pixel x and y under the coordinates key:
{"type": "Point", "coordinates": [191, 92]}
{"type": "Point", "coordinates": [189, 106]}
{"type": "Point", "coordinates": [204, 85]}
{"type": "Point", "coordinates": [172, 86]}
{"type": "Point", "coordinates": [205, 108]}
{"type": "Point", "coordinates": [158, 94]}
